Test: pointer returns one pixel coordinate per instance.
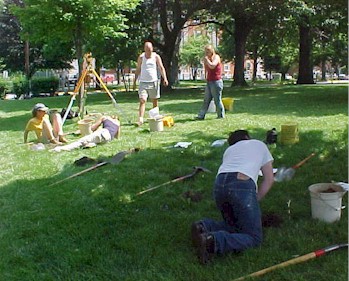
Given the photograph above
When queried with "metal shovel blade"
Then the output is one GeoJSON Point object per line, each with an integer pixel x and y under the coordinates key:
{"type": "Point", "coordinates": [117, 158]}
{"type": "Point", "coordinates": [279, 174]}
{"type": "Point", "coordinates": [284, 174]}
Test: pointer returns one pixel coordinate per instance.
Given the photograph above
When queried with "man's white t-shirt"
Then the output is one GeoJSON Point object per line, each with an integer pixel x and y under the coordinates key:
{"type": "Point", "coordinates": [247, 157]}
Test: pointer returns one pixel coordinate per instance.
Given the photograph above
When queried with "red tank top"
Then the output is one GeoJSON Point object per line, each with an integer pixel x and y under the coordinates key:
{"type": "Point", "coordinates": [214, 74]}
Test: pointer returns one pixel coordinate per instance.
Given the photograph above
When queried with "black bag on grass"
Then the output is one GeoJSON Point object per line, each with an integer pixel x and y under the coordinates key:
{"type": "Point", "coordinates": [71, 113]}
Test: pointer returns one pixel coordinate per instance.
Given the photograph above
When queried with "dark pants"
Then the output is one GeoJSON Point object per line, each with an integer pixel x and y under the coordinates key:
{"type": "Point", "coordinates": [241, 227]}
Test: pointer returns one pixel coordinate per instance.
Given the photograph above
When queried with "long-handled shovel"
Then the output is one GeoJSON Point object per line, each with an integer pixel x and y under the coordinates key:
{"type": "Point", "coordinates": [286, 174]}
{"type": "Point", "coordinates": [116, 159]}
{"type": "Point", "coordinates": [197, 169]}
{"type": "Point", "coordinates": [296, 260]}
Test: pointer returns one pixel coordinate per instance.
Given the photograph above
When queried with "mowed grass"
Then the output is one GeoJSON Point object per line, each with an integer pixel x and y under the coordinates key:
{"type": "Point", "coordinates": [94, 227]}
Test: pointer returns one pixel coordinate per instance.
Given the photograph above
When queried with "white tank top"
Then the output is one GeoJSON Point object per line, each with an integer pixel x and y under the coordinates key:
{"type": "Point", "coordinates": [148, 69]}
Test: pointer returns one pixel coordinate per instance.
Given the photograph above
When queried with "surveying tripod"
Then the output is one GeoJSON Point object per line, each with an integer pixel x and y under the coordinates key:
{"type": "Point", "coordinates": [87, 70]}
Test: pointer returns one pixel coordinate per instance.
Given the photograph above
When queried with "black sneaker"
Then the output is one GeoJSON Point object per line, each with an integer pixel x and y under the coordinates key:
{"type": "Point", "coordinates": [197, 118]}
{"type": "Point", "coordinates": [197, 228]}
{"type": "Point", "coordinates": [206, 248]}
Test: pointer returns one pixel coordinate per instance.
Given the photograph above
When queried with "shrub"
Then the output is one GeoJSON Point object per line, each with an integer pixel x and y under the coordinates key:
{"type": "Point", "coordinates": [38, 85]}
{"type": "Point", "coordinates": [44, 85]}
{"type": "Point", "coordinates": [5, 87]}
{"type": "Point", "coordinates": [20, 85]}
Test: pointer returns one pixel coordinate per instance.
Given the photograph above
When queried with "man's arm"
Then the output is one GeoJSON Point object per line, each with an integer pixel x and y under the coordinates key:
{"type": "Point", "coordinates": [268, 180]}
{"type": "Point", "coordinates": [95, 126]}
{"type": "Point", "coordinates": [138, 71]}
{"type": "Point", "coordinates": [162, 69]}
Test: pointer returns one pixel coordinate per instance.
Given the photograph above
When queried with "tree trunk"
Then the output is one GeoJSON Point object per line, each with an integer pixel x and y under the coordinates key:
{"type": "Point", "coordinates": [305, 72]}
{"type": "Point", "coordinates": [255, 64]}
{"type": "Point", "coordinates": [240, 35]}
{"type": "Point", "coordinates": [170, 59]}
{"type": "Point", "coordinates": [80, 57]}
{"type": "Point", "coordinates": [27, 66]}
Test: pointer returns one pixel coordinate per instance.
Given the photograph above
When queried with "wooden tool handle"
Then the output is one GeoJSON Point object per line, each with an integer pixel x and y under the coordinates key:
{"type": "Point", "coordinates": [303, 161]}
{"type": "Point", "coordinates": [280, 265]}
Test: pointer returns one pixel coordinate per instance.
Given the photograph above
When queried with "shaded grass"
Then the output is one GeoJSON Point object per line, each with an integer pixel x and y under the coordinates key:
{"type": "Point", "coordinates": [93, 227]}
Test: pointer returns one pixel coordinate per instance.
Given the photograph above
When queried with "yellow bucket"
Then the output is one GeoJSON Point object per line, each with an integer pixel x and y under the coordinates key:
{"type": "Point", "coordinates": [289, 133]}
{"type": "Point", "coordinates": [228, 103]}
{"type": "Point", "coordinates": [85, 126]}
{"type": "Point", "coordinates": [168, 121]}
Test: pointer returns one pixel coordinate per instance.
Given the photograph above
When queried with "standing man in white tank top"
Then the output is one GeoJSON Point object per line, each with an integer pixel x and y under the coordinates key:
{"type": "Point", "coordinates": [147, 65]}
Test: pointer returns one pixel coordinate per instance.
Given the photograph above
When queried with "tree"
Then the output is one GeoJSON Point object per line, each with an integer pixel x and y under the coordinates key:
{"type": "Point", "coordinates": [119, 53]}
{"type": "Point", "coordinates": [246, 16]}
{"type": "Point", "coordinates": [311, 16]}
{"type": "Point", "coordinates": [73, 23]}
{"type": "Point", "coordinates": [191, 53]}
{"type": "Point", "coordinates": [168, 17]}
{"type": "Point", "coordinates": [331, 38]}
{"type": "Point", "coordinates": [21, 55]}
{"type": "Point", "coordinates": [76, 23]}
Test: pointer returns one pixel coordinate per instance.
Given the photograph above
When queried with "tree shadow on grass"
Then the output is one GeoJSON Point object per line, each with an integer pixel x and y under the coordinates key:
{"type": "Point", "coordinates": [97, 219]}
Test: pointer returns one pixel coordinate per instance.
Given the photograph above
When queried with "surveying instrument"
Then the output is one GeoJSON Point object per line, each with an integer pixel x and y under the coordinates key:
{"type": "Point", "coordinates": [87, 69]}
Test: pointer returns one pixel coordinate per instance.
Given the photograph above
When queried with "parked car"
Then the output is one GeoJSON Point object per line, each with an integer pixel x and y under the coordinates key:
{"type": "Point", "coordinates": [72, 79]}
{"type": "Point", "coordinates": [108, 78]}
{"type": "Point", "coordinates": [343, 77]}
{"type": "Point", "coordinates": [10, 97]}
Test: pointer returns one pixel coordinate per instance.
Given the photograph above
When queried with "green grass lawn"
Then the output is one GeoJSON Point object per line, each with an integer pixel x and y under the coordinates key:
{"type": "Point", "coordinates": [94, 227]}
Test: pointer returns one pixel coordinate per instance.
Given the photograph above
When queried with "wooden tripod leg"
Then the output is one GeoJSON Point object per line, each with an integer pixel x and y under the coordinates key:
{"type": "Point", "coordinates": [104, 86]}
{"type": "Point", "coordinates": [76, 90]}
{"type": "Point", "coordinates": [80, 81]}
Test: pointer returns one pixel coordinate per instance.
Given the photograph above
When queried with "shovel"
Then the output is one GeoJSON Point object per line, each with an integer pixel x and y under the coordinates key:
{"type": "Point", "coordinates": [286, 174]}
{"type": "Point", "coordinates": [116, 159]}
{"type": "Point", "coordinates": [197, 169]}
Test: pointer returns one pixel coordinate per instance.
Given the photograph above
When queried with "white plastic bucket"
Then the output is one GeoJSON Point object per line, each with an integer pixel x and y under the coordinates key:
{"type": "Point", "coordinates": [326, 201]}
{"type": "Point", "coordinates": [156, 125]}
{"type": "Point", "coordinates": [85, 126]}
{"type": "Point", "coordinates": [211, 107]}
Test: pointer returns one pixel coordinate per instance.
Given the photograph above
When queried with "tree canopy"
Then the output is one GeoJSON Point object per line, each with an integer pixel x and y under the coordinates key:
{"type": "Point", "coordinates": [192, 52]}
{"type": "Point", "coordinates": [72, 22]}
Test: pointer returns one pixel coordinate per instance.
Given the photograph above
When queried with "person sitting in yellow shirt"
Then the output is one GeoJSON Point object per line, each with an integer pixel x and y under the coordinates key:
{"type": "Point", "coordinates": [46, 132]}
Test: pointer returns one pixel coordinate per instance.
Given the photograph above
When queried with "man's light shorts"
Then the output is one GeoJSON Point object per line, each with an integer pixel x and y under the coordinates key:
{"type": "Point", "coordinates": [149, 89]}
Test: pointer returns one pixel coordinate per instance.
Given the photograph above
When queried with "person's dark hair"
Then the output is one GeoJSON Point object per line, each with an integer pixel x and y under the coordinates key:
{"type": "Point", "coordinates": [238, 135]}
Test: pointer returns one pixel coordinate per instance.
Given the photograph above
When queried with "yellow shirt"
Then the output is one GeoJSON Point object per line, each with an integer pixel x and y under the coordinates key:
{"type": "Point", "coordinates": [35, 124]}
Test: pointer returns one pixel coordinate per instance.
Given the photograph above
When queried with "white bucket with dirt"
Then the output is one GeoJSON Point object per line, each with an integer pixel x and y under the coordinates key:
{"type": "Point", "coordinates": [326, 201]}
{"type": "Point", "coordinates": [156, 125]}
{"type": "Point", "coordinates": [85, 126]}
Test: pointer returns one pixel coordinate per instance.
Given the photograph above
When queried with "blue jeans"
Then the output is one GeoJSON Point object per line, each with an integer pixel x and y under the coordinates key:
{"type": "Point", "coordinates": [213, 91]}
{"type": "Point", "coordinates": [241, 227]}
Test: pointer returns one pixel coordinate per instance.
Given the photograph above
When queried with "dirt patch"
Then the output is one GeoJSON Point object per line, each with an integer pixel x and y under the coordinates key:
{"type": "Point", "coordinates": [271, 220]}
{"type": "Point", "coordinates": [193, 196]}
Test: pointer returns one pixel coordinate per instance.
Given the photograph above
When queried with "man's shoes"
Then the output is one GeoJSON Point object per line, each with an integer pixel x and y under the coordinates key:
{"type": "Point", "coordinates": [197, 118]}
{"type": "Point", "coordinates": [197, 228]}
{"type": "Point", "coordinates": [206, 248]}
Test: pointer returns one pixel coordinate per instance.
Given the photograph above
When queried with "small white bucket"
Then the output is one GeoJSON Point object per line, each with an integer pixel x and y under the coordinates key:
{"type": "Point", "coordinates": [85, 126]}
{"type": "Point", "coordinates": [211, 107]}
{"type": "Point", "coordinates": [156, 125]}
{"type": "Point", "coordinates": [326, 201]}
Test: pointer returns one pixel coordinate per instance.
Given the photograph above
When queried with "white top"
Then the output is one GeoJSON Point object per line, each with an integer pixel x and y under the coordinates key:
{"type": "Point", "coordinates": [247, 157]}
{"type": "Point", "coordinates": [148, 69]}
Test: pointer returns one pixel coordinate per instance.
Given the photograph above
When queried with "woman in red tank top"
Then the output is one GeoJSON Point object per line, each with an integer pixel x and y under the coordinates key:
{"type": "Point", "coordinates": [214, 86]}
